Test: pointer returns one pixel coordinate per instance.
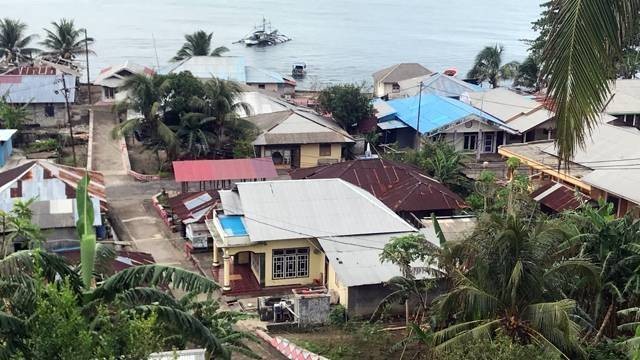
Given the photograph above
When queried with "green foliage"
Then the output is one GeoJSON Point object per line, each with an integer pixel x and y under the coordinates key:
{"type": "Point", "coordinates": [198, 44]}
{"type": "Point", "coordinates": [440, 160]}
{"type": "Point", "coordinates": [490, 196]}
{"type": "Point", "coordinates": [528, 74]}
{"type": "Point", "coordinates": [405, 250]}
{"type": "Point", "coordinates": [338, 315]}
{"type": "Point", "coordinates": [488, 66]}
{"type": "Point", "coordinates": [14, 42]}
{"type": "Point", "coordinates": [605, 351]}
{"type": "Point", "coordinates": [13, 116]}
{"type": "Point", "coordinates": [86, 231]}
{"type": "Point", "coordinates": [64, 40]}
{"type": "Point", "coordinates": [346, 103]}
{"type": "Point", "coordinates": [43, 145]}
{"type": "Point", "coordinates": [500, 348]}
{"type": "Point", "coordinates": [178, 91]}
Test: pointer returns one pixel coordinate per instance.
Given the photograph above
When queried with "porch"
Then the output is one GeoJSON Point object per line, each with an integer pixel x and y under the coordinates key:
{"type": "Point", "coordinates": [242, 282]}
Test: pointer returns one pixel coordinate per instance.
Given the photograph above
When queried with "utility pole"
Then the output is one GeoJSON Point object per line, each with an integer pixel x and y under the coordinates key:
{"type": "Point", "coordinates": [418, 136]}
{"type": "Point", "coordinates": [65, 92]}
{"type": "Point", "coordinates": [86, 50]}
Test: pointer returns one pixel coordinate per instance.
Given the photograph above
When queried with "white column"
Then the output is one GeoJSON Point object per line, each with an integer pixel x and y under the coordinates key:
{"type": "Point", "coordinates": [226, 281]}
{"type": "Point", "coordinates": [478, 143]}
{"type": "Point", "coordinates": [216, 256]}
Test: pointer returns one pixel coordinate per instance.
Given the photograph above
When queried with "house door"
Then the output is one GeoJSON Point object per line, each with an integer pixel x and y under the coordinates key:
{"type": "Point", "coordinates": [487, 145]}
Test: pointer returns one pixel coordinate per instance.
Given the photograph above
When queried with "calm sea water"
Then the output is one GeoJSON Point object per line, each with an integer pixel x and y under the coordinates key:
{"type": "Point", "coordinates": [340, 40]}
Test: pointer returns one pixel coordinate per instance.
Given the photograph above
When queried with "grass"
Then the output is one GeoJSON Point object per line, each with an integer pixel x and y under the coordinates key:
{"type": "Point", "coordinates": [352, 341]}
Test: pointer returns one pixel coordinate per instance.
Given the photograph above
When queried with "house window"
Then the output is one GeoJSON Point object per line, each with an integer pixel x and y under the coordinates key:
{"type": "Point", "coordinates": [49, 110]}
{"type": "Point", "coordinates": [488, 143]}
{"type": "Point", "coordinates": [325, 149]}
{"type": "Point", "coordinates": [109, 93]}
{"type": "Point", "coordinates": [261, 86]}
{"type": "Point", "coordinates": [470, 141]}
{"type": "Point", "coordinates": [395, 87]}
{"type": "Point", "coordinates": [290, 263]}
{"type": "Point", "coordinates": [279, 156]}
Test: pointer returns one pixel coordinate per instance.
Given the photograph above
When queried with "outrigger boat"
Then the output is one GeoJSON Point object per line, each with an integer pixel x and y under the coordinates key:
{"type": "Point", "coordinates": [264, 35]}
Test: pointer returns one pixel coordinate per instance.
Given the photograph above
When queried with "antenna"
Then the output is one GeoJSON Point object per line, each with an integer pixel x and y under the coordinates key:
{"type": "Point", "coordinates": [155, 48]}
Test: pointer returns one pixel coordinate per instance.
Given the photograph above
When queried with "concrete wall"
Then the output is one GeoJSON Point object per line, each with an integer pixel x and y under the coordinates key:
{"type": "Point", "coordinates": [364, 300]}
{"type": "Point", "coordinates": [37, 116]}
{"type": "Point", "coordinates": [310, 155]}
{"type": "Point", "coordinates": [316, 260]}
{"type": "Point", "coordinates": [335, 285]}
{"type": "Point", "coordinates": [312, 310]}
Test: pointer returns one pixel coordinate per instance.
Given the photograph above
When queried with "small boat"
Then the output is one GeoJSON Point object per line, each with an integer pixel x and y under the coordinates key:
{"type": "Point", "coordinates": [264, 35]}
{"type": "Point", "coordinates": [299, 70]}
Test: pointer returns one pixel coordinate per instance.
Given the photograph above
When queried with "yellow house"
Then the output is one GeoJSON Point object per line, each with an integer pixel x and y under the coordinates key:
{"type": "Point", "coordinates": [277, 234]}
{"type": "Point", "coordinates": [299, 138]}
{"type": "Point", "coordinates": [605, 168]}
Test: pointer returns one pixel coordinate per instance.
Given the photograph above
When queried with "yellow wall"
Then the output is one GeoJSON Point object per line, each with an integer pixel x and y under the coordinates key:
{"type": "Point", "coordinates": [310, 154]}
{"type": "Point", "coordinates": [334, 284]}
{"type": "Point", "coordinates": [316, 260]}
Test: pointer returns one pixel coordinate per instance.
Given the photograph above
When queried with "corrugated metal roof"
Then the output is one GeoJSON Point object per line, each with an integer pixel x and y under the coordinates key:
{"type": "Point", "coordinates": [625, 98]}
{"type": "Point", "coordinates": [437, 83]}
{"type": "Point", "coordinates": [399, 72]}
{"type": "Point", "coordinates": [255, 75]}
{"type": "Point", "coordinates": [56, 214]}
{"type": "Point", "coordinates": [558, 197]}
{"type": "Point", "coordinates": [6, 134]}
{"type": "Point", "coordinates": [193, 206]}
{"type": "Point", "coordinates": [454, 228]}
{"type": "Point", "coordinates": [356, 259]}
{"type": "Point", "coordinates": [36, 89]}
{"type": "Point", "coordinates": [399, 186]}
{"type": "Point", "coordinates": [519, 112]}
{"type": "Point", "coordinates": [298, 127]}
{"type": "Point", "coordinates": [294, 209]}
{"type": "Point", "coordinates": [620, 182]}
{"type": "Point", "coordinates": [382, 109]}
{"type": "Point", "coordinates": [206, 67]}
{"type": "Point", "coordinates": [437, 112]}
{"type": "Point", "coordinates": [392, 124]}
{"type": "Point", "coordinates": [261, 103]}
{"type": "Point", "coordinates": [115, 76]}
{"type": "Point", "coordinates": [228, 169]}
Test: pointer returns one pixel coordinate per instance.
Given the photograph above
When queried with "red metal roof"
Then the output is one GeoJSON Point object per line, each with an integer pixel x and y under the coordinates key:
{"type": "Point", "coordinates": [231, 169]}
{"type": "Point", "coordinates": [184, 208]}
{"type": "Point", "coordinates": [559, 197]}
{"type": "Point", "coordinates": [400, 186]}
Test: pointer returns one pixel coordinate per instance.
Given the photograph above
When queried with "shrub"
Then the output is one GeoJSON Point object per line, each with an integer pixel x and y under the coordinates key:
{"type": "Point", "coordinates": [501, 348]}
{"type": "Point", "coordinates": [338, 315]}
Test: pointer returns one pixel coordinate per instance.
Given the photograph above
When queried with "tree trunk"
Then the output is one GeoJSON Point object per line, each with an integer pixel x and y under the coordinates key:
{"type": "Point", "coordinates": [606, 319]}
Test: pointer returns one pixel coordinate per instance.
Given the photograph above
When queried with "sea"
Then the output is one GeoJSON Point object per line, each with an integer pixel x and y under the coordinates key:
{"type": "Point", "coordinates": [339, 40]}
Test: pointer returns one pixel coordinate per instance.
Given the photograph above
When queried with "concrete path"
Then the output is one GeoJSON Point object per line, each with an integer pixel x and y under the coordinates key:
{"type": "Point", "coordinates": [107, 156]}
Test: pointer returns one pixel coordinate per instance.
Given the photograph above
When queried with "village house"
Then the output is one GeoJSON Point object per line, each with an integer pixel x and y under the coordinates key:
{"type": "Point", "coordinates": [6, 144]}
{"type": "Point", "coordinates": [405, 189]}
{"type": "Point", "coordinates": [40, 88]}
{"type": "Point", "coordinates": [528, 116]}
{"type": "Point", "coordinates": [235, 69]}
{"type": "Point", "coordinates": [54, 188]}
{"type": "Point", "coordinates": [624, 103]}
{"type": "Point", "coordinates": [469, 129]}
{"type": "Point", "coordinates": [386, 82]}
{"type": "Point", "coordinates": [606, 168]}
{"type": "Point", "coordinates": [299, 138]}
{"type": "Point", "coordinates": [438, 84]}
{"type": "Point", "coordinates": [112, 78]}
{"type": "Point", "coordinates": [292, 233]}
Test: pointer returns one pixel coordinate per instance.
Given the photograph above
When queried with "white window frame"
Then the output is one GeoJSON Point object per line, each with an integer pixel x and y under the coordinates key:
{"type": "Point", "coordinates": [290, 263]}
{"type": "Point", "coordinates": [472, 145]}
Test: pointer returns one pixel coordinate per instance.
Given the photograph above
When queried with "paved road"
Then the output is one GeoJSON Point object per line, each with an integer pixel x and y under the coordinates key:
{"type": "Point", "coordinates": [107, 156]}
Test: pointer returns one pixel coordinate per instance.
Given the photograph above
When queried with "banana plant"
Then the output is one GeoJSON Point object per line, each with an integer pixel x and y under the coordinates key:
{"type": "Point", "coordinates": [86, 231]}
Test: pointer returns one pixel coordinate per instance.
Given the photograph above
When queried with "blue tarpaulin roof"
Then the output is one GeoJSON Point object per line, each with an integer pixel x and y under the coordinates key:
{"type": "Point", "coordinates": [438, 111]}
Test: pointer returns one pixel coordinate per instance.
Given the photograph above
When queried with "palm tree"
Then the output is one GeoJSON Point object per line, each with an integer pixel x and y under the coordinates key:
{"type": "Point", "coordinates": [528, 74]}
{"type": "Point", "coordinates": [514, 285]}
{"type": "Point", "coordinates": [578, 64]}
{"type": "Point", "coordinates": [198, 44]}
{"type": "Point", "coordinates": [488, 66]}
{"type": "Point", "coordinates": [194, 135]}
{"type": "Point", "coordinates": [133, 290]}
{"type": "Point", "coordinates": [65, 40]}
{"type": "Point", "coordinates": [14, 43]}
{"type": "Point", "coordinates": [221, 102]}
{"type": "Point", "coordinates": [145, 97]}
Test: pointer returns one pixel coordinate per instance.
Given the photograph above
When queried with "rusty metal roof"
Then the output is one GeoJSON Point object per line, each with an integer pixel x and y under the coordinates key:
{"type": "Point", "coordinates": [559, 197]}
{"type": "Point", "coordinates": [229, 169]}
{"type": "Point", "coordinates": [400, 186]}
{"type": "Point", "coordinates": [194, 206]}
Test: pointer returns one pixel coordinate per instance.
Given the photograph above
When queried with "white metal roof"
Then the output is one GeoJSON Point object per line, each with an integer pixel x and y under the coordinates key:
{"type": "Point", "coordinates": [626, 97]}
{"type": "Point", "coordinates": [6, 134]}
{"type": "Point", "coordinates": [115, 76]}
{"type": "Point", "coordinates": [36, 89]}
{"type": "Point", "coordinates": [436, 83]}
{"type": "Point", "coordinates": [206, 67]}
{"type": "Point", "coordinates": [356, 259]}
{"type": "Point", "coordinates": [454, 228]}
{"type": "Point", "coordinates": [294, 209]}
{"type": "Point", "coordinates": [520, 112]}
